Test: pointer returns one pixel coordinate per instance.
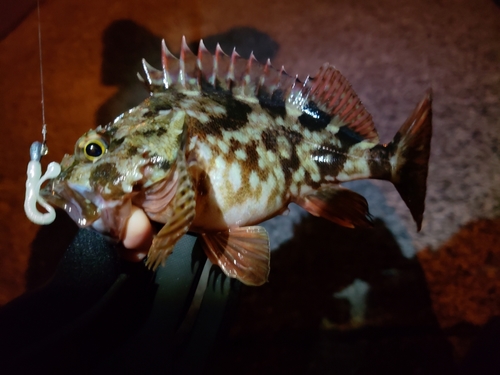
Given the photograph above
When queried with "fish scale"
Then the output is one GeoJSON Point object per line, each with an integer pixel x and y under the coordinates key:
{"type": "Point", "coordinates": [224, 143]}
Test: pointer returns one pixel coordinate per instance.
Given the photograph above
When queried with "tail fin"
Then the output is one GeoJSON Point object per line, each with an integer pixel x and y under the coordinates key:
{"type": "Point", "coordinates": [411, 148]}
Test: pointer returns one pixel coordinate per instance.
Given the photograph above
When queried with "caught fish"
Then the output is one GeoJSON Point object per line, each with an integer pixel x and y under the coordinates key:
{"type": "Point", "coordinates": [224, 143]}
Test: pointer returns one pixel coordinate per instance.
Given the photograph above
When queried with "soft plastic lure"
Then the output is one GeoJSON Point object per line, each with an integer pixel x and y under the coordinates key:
{"type": "Point", "coordinates": [34, 182]}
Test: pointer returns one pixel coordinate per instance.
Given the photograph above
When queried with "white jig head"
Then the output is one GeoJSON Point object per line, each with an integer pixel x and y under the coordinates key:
{"type": "Point", "coordinates": [34, 182]}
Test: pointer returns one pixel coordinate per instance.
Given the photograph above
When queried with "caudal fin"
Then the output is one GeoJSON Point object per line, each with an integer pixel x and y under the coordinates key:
{"type": "Point", "coordinates": [411, 148]}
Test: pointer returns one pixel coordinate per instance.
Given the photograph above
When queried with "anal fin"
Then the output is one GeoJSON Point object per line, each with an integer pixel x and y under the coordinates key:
{"type": "Point", "coordinates": [339, 205]}
{"type": "Point", "coordinates": [242, 253]}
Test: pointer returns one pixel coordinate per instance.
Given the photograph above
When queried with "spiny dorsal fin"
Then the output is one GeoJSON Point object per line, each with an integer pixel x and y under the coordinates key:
{"type": "Point", "coordinates": [328, 91]}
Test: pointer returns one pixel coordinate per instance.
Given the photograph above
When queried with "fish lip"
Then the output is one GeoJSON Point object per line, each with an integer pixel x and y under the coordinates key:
{"type": "Point", "coordinates": [82, 210]}
{"type": "Point", "coordinates": [88, 208]}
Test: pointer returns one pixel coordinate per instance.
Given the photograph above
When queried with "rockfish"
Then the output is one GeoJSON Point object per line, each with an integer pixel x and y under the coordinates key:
{"type": "Point", "coordinates": [224, 143]}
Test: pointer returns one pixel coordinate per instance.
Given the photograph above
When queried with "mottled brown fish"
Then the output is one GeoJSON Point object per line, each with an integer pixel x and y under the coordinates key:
{"type": "Point", "coordinates": [224, 143]}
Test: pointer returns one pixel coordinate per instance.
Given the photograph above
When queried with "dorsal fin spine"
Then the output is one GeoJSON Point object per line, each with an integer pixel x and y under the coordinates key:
{"type": "Point", "coordinates": [222, 65]}
{"type": "Point", "coordinates": [205, 63]}
{"type": "Point", "coordinates": [238, 69]}
{"type": "Point", "coordinates": [306, 89]}
{"type": "Point", "coordinates": [316, 83]}
{"type": "Point", "coordinates": [182, 62]}
{"type": "Point", "coordinates": [262, 79]}
{"type": "Point", "coordinates": [246, 75]}
{"type": "Point", "coordinates": [167, 61]}
{"type": "Point", "coordinates": [201, 50]}
{"type": "Point", "coordinates": [296, 98]}
{"type": "Point", "coordinates": [282, 75]}
{"type": "Point", "coordinates": [153, 75]}
{"type": "Point", "coordinates": [145, 68]}
{"type": "Point", "coordinates": [252, 82]}
{"type": "Point", "coordinates": [218, 51]}
{"type": "Point", "coordinates": [232, 79]}
{"type": "Point", "coordinates": [189, 72]}
{"type": "Point", "coordinates": [230, 72]}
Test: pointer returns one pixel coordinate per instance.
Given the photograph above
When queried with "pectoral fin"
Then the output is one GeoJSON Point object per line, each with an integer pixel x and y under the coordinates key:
{"type": "Point", "coordinates": [241, 253]}
{"type": "Point", "coordinates": [341, 206]}
{"type": "Point", "coordinates": [181, 211]}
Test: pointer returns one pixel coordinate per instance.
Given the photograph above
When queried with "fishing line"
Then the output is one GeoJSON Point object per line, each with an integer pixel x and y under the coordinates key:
{"type": "Point", "coordinates": [44, 124]}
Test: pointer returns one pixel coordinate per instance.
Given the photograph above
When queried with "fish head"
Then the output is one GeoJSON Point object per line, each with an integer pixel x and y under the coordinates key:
{"type": "Point", "coordinates": [113, 164]}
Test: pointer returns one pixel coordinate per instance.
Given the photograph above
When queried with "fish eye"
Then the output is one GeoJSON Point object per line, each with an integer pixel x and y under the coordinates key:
{"type": "Point", "coordinates": [94, 149]}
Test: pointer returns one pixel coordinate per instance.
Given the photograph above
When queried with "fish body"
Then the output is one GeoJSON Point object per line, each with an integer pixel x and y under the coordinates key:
{"type": "Point", "coordinates": [224, 143]}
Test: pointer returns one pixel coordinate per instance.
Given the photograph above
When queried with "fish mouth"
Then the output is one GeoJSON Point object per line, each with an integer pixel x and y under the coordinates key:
{"type": "Point", "coordinates": [88, 208]}
{"type": "Point", "coordinates": [79, 208]}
